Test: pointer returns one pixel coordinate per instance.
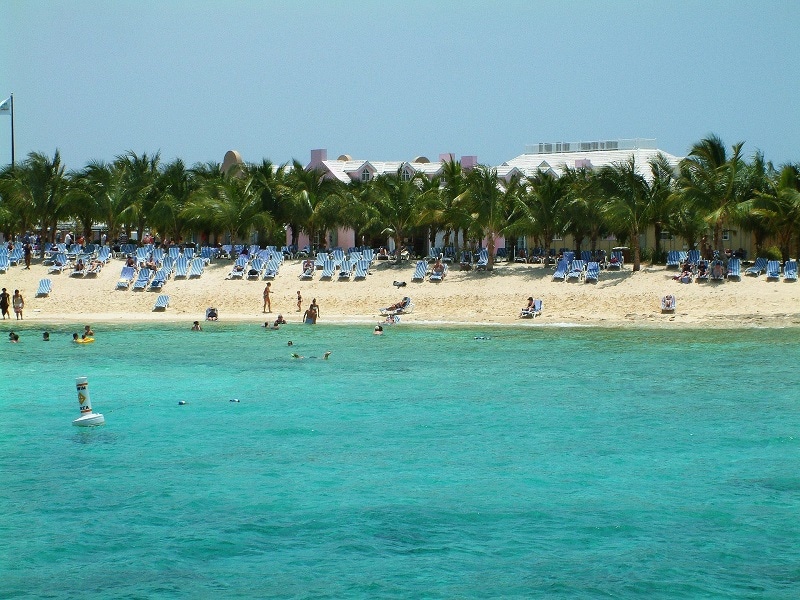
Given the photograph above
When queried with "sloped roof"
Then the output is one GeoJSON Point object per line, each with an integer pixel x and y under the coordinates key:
{"type": "Point", "coordinates": [529, 163]}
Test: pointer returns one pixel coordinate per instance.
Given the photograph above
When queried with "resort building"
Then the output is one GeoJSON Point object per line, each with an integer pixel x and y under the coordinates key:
{"type": "Point", "coordinates": [553, 157]}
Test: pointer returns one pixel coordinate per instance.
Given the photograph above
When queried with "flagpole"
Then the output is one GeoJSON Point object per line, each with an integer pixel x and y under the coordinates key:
{"type": "Point", "coordinates": [12, 131]}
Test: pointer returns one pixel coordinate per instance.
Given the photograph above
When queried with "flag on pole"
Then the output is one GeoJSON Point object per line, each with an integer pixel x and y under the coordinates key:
{"type": "Point", "coordinates": [5, 106]}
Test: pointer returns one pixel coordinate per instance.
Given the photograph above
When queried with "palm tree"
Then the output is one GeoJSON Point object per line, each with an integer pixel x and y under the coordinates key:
{"type": "Point", "coordinates": [779, 207]}
{"type": "Point", "coordinates": [102, 186]}
{"type": "Point", "coordinates": [314, 201]}
{"type": "Point", "coordinates": [270, 183]}
{"type": "Point", "coordinates": [395, 199]}
{"type": "Point", "coordinates": [627, 204]}
{"type": "Point", "coordinates": [583, 211]}
{"type": "Point", "coordinates": [141, 177]}
{"type": "Point", "coordinates": [230, 204]}
{"type": "Point", "coordinates": [489, 202]}
{"type": "Point", "coordinates": [710, 179]}
{"type": "Point", "coordinates": [36, 190]}
{"type": "Point", "coordinates": [176, 188]}
{"type": "Point", "coordinates": [661, 200]}
{"type": "Point", "coordinates": [541, 208]}
{"type": "Point", "coordinates": [449, 216]}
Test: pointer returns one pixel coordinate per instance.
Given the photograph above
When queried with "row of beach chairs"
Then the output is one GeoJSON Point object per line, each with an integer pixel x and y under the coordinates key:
{"type": "Point", "coordinates": [355, 268]}
{"type": "Point", "coordinates": [155, 279]}
{"type": "Point", "coordinates": [422, 270]}
{"type": "Point", "coordinates": [261, 266]}
{"type": "Point", "coordinates": [772, 269]}
{"type": "Point", "coordinates": [578, 270]}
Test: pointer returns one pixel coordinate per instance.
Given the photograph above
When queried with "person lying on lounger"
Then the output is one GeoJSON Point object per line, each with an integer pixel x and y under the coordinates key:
{"type": "Point", "coordinates": [397, 305]}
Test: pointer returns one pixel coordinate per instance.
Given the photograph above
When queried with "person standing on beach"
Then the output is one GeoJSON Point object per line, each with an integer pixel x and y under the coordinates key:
{"type": "Point", "coordinates": [267, 303]}
{"type": "Point", "coordinates": [299, 302]}
{"type": "Point", "coordinates": [18, 303]}
{"type": "Point", "coordinates": [27, 252]}
{"type": "Point", "coordinates": [5, 302]}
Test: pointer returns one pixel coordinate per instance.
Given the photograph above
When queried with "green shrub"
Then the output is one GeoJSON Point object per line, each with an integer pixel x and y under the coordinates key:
{"type": "Point", "coordinates": [771, 253]}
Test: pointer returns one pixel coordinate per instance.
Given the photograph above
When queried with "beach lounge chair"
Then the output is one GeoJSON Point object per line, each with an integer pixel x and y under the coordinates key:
{"type": "Point", "coordinates": [561, 271]}
{"type": "Point", "coordinates": [368, 254]}
{"type": "Point", "coordinates": [668, 303]}
{"type": "Point", "coordinates": [592, 272]}
{"type": "Point", "coordinates": [328, 268]}
{"type": "Point", "coordinates": [773, 270]}
{"type": "Point", "coordinates": [307, 268]}
{"type": "Point", "coordinates": [576, 270]}
{"type": "Point", "coordinates": [319, 261]}
{"type": "Point", "coordinates": [790, 270]}
{"type": "Point", "coordinates": [674, 259]}
{"type": "Point", "coordinates": [337, 254]}
{"type": "Point", "coordinates": [758, 267]}
{"type": "Point", "coordinates": [59, 263]}
{"type": "Point", "coordinates": [239, 268]}
{"type": "Point", "coordinates": [437, 276]}
{"type": "Point", "coordinates": [703, 271]}
{"type": "Point", "coordinates": [78, 269]}
{"type": "Point", "coordinates": [104, 254]}
{"type": "Point", "coordinates": [181, 267]}
{"type": "Point", "coordinates": [256, 268]}
{"type": "Point", "coordinates": [5, 265]}
{"type": "Point", "coordinates": [197, 266]}
{"type": "Point", "coordinates": [420, 270]}
{"type": "Point", "coordinates": [158, 281]}
{"type": "Point", "coordinates": [273, 265]}
{"type": "Point", "coordinates": [45, 286]}
{"type": "Point", "coordinates": [207, 254]}
{"type": "Point", "coordinates": [734, 268]}
{"type": "Point", "coordinates": [405, 306]}
{"type": "Point", "coordinates": [693, 256]}
{"type": "Point", "coordinates": [533, 312]}
{"type": "Point", "coordinates": [345, 270]}
{"type": "Point", "coordinates": [361, 269]}
{"type": "Point", "coordinates": [162, 302]}
{"type": "Point", "coordinates": [717, 271]}
{"type": "Point", "coordinates": [15, 257]}
{"type": "Point", "coordinates": [142, 279]}
{"type": "Point", "coordinates": [126, 277]}
{"type": "Point", "coordinates": [483, 260]}
{"type": "Point", "coordinates": [617, 260]}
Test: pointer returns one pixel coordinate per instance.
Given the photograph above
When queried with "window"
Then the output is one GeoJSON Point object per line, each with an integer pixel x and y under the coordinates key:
{"type": "Point", "coordinates": [666, 235]}
{"type": "Point", "coordinates": [365, 175]}
{"type": "Point", "coordinates": [406, 176]}
{"type": "Point", "coordinates": [726, 235]}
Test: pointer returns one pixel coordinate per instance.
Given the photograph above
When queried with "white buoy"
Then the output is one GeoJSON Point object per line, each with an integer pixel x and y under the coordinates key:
{"type": "Point", "coordinates": [87, 418]}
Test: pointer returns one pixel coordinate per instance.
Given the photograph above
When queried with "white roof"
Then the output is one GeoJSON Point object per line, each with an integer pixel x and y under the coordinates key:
{"type": "Point", "coordinates": [342, 169]}
{"type": "Point", "coordinates": [529, 163]}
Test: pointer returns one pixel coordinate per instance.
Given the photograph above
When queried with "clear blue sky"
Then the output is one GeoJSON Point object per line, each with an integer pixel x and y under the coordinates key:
{"type": "Point", "coordinates": [388, 80]}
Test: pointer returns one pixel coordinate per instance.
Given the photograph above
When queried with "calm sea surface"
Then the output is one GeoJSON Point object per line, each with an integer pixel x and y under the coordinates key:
{"type": "Point", "coordinates": [425, 463]}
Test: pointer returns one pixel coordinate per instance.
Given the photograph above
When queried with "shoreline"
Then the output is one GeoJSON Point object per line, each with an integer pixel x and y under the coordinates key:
{"type": "Point", "coordinates": [621, 299]}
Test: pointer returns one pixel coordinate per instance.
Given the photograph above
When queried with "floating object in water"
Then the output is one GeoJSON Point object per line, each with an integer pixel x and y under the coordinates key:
{"type": "Point", "coordinates": [234, 399]}
{"type": "Point", "coordinates": [483, 337]}
{"type": "Point", "coordinates": [181, 402]}
{"type": "Point", "coordinates": [86, 340]}
{"type": "Point", "coordinates": [87, 418]}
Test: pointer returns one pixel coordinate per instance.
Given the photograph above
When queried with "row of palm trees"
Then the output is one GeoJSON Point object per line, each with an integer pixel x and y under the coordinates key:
{"type": "Point", "coordinates": [713, 189]}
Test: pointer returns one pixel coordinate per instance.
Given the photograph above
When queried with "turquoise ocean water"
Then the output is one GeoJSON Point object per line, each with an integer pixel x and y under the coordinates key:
{"type": "Point", "coordinates": [425, 463]}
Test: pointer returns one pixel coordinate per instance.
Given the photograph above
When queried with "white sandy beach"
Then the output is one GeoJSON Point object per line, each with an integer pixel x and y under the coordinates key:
{"type": "Point", "coordinates": [618, 299]}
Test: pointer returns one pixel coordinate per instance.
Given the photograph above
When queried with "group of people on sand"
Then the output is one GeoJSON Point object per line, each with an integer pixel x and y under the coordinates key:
{"type": "Point", "coordinates": [17, 302]}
